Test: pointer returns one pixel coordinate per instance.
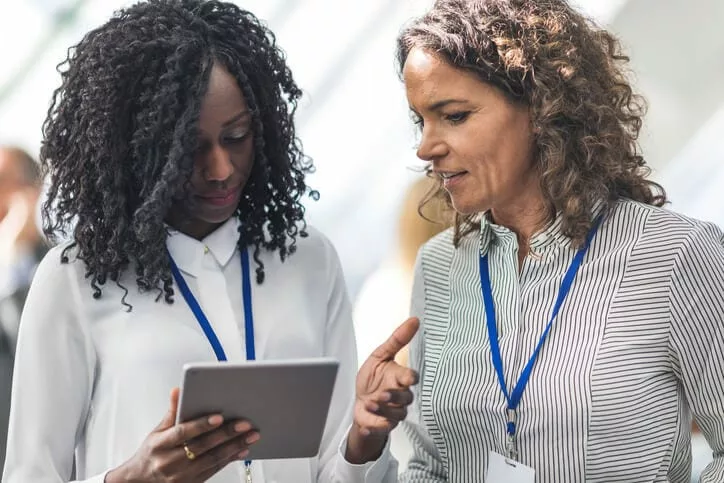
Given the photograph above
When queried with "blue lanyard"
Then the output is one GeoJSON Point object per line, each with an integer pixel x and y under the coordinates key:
{"type": "Point", "coordinates": [206, 326]}
{"type": "Point", "coordinates": [204, 322]}
{"type": "Point", "coordinates": [514, 398]}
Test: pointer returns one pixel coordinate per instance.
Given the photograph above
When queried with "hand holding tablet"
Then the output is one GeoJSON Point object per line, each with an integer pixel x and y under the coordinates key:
{"type": "Point", "coordinates": [188, 452]}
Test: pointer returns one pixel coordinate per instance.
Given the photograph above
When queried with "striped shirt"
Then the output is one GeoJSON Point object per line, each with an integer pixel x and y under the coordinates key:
{"type": "Point", "coordinates": [636, 350]}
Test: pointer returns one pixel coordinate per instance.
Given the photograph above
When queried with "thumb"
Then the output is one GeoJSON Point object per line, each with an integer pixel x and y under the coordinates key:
{"type": "Point", "coordinates": [170, 418]}
{"type": "Point", "coordinates": [399, 339]}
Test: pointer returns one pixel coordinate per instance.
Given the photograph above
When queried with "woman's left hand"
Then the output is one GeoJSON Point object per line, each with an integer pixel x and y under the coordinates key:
{"type": "Point", "coordinates": [383, 394]}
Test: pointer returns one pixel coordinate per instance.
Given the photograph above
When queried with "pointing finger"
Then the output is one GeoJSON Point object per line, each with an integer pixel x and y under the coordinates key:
{"type": "Point", "coordinates": [399, 339]}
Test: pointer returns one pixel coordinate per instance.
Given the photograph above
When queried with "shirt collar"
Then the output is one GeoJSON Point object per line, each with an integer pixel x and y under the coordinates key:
{"type": "Point", "coordinates": [188, 252]}
{"type": "Point", "coordinates": [552, 234]}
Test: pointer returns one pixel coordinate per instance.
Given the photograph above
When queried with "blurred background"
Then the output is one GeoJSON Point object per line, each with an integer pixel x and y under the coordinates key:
{"type": "Point", "coordinates": [354, 121]}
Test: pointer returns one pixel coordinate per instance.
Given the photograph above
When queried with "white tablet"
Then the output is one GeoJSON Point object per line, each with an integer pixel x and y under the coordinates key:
{"type": "Point", "coordinates": [286, 400]}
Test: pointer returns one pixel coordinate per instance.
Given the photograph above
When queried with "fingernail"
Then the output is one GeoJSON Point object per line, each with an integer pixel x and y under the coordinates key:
{"type": "Point", "coordinates": [242, 427]}
{"type": "Point", "coordinates": [386, 396]}
{"type": "Point", "coordinates": [215, 420]}
{"type": "Point", "coordinates": [243, 454]}
{"type": "Point", "coordinates": [253, 438]}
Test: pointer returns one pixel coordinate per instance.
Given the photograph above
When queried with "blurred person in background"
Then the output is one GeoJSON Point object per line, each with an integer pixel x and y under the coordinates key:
{"type": "Point", "coordinates": [384, 299]}
{"type": "Point", "coordinates": [571, 326]}
{"type": "Point", "coordinates": [21, 249]}
{"type": "Point", "coordinates": [171, 146]}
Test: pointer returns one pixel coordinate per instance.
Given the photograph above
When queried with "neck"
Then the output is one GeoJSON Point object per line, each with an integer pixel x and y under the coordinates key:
{"type": "Point", "coordinates": [524, 216]}
{"type": "Point", "coordinates": [196, 229]}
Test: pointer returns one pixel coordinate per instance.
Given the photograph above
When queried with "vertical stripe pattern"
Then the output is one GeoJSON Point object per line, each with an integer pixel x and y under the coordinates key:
{"type": "Point", "coordinates": [636, 349]}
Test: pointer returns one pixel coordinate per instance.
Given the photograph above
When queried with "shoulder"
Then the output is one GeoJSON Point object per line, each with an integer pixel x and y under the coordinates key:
{"type": "Point", "coordinates": [54, 291]}
{"type": "Point", "coordinates": [435, 258]}
{"type": "Point", "coordinates": [62, 272]}
{"type": "Point", "coordinates": [57, 264]}
{"type": "Point", "coordinates": [664, 226]}
{"type": "Point", "coordinates": [440, 250]}
{"type": "Point", "coordinates": [441, 245]}
{"type": "Point", "coordinates": [314, 257]}
{"type": "Point", "coordinates": [60, 279]}
{"type": "Point", "coordinates": [315, 247]}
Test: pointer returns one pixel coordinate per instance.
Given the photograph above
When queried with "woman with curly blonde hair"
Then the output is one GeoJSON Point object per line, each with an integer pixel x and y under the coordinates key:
{"type": "Point", "coordinates": [571, 327]}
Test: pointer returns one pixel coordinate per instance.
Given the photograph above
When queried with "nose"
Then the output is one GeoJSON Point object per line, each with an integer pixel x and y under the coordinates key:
{"type": "Point", "coordinates": [431, 145]}
{"type": "Point", "coordinates": [218, 164]}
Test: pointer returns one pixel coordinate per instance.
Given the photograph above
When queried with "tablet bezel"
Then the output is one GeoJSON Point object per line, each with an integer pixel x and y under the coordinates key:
{"type": "Point", "coordinates": [290, 405]}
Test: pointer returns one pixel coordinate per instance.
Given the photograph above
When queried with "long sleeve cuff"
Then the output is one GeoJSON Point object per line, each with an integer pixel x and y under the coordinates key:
{"type": "Point", "coordinates": [383, 469]}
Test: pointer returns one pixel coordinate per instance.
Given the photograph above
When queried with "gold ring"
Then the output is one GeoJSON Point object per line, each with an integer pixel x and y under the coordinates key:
{"type": "Point", "coordinates": [190, 455]}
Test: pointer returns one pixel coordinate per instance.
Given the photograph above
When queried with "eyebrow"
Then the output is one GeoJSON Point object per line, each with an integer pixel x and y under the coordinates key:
{"type": "Point", "coordinates": [238, 117]}
{"type": "Point", "coordinates": [444, 102]}
{"type": "Point", "coordinates": [436, 106]}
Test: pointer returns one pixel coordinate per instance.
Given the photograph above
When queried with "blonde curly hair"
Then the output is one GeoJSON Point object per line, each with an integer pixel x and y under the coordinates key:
{"type": "Point", "coordinates": [571, 74]}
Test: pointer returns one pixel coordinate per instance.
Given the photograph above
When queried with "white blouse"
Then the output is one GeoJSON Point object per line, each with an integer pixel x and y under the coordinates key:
{"type": "Point", "coordinates": [92, 379]}
{"type": "Point", "coordinates": [636, 350]}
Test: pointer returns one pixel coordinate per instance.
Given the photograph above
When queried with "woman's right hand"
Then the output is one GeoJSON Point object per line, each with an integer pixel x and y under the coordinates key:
{"type": "Point", "coordinates": [162, 456]}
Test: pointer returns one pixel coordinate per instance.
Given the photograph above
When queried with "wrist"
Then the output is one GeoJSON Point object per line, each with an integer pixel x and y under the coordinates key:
{"type": "Point", "coordinates": [363, 449]}
{"type": "Point", "coordinates": [119, 475]}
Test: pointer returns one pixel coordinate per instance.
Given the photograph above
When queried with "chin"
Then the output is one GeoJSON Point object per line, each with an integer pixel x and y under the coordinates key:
{"type": "Point", "coordinates": [217, 220]}
{"type": "Point", "coordinates": [215, 216]}
{"type": "Point", "coordinates": [468, 207]}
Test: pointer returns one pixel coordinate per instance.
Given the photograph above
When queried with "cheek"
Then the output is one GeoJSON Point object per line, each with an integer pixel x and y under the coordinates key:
{"type": "Point", "coordinates": [196, 178]}
{"type": "Point", "coordinates": [500, 164]}
{"type": "Point", "coordinates": [194, 183]}
{"type": "Point", "coordinates": [244, 164]}
{"type": "Point", "coordinates": [509, 155]}
{"type": "Point", "coordinates": [243, 158]}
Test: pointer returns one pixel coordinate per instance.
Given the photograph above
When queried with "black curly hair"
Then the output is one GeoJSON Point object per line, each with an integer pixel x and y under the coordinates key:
{"type": "Point", "coordinates": [122, 129]}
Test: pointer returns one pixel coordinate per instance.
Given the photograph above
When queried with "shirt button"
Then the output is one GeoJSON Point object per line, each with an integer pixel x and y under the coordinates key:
{"type": "Point", "coordinates": [206, 249]}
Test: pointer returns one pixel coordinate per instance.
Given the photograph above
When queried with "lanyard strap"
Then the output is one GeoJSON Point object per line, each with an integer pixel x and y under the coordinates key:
{"type": "Point", "coordinates": [204, 322]}
{"type": "Point", "coordinates": [206, 326]}
{"type": "Point", "coordinates": [514, 398]}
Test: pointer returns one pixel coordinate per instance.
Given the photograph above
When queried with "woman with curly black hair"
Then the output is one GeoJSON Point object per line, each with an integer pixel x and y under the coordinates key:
{"type": "Point", "coordinates": [570, 325]}
{"type": "Point", "coordinates": [171, 150]}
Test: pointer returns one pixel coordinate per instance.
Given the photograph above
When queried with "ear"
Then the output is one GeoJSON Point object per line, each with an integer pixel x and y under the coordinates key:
{"type": "Point", "coordinates": [534, 124]}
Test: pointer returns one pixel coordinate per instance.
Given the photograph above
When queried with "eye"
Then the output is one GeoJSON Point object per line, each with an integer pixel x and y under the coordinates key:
{"type": "Point", "coordinates": [457, 117]}
{"type": "Point", "coordinates": [236, 137]}
{"type": "Point", "coordinates": [417, 120]}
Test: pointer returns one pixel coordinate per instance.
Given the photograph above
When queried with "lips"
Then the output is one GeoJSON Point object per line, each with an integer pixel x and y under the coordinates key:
{"type": "Point", "coordinates": [451, 174]}
{"type": "Point", "coordinates": [450, 178]}
{"type": "Point", "coordinates": [221, 198]}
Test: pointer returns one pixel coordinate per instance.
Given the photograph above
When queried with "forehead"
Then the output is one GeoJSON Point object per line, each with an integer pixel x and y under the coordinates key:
{"type": "Point", "coordinates": [223, 98]}
{"type": "Point", "coordinates": [428, 77]}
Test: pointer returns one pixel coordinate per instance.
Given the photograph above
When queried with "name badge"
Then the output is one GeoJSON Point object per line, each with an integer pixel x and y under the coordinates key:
{"type": "Point", "coordinates": [504, 470]}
